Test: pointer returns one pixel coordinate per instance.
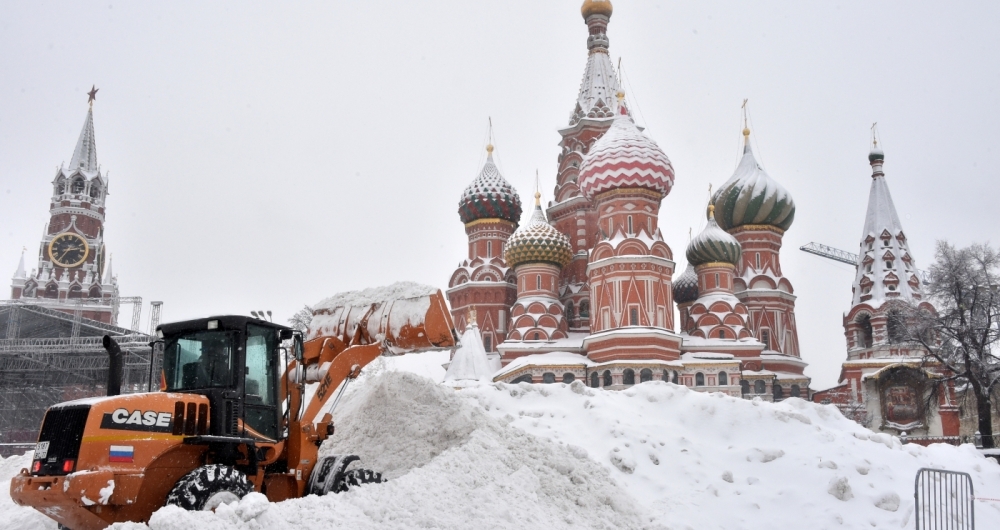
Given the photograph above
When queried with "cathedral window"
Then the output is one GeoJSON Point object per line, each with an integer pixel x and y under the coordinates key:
{"type": "Point", "coordinates": [630, 224]}
{"type": "Point", "coordinates": [865, 332]}
{"type": "Point", "coordinates": [95, 292]}
{"type": "Point", "coordinates": [757, 259]}
{"type": "Point", "coordinates": [892, 287]}
{"type": "Point", "coordinates": [526, 378]}
{"type": "Point", "coordinates": [51, 291]}
{"type": "Point", "coordinates": [888, 264]}
{"type": "Point", "coordinates": [537, 336]}
{"type": "Point", "coordinates": [548, 378]}
{"type": "Point", "coordinates": [76, 292]}
{"type": "Point", "coordinates": [594, 381]}
{"type": "Point", "coordinates": [488, 343]}
{"type": "Point", "coordinates": [633, 314]}
{"type": "Point", "coordinates": [744, 387]}
{"type": "Point", "coordinates": [699, 379]}
{"type": "Point", "coordinates": [777, 392]}
{"type": "Point", "coordinates": [77, 186]}
{"type": "Point", "coordinates": [759, 386]}
{"type": "Point", "coordinates": [628, 376]}
{"type": "Point", "coordinates": [584, 309]}
{"type": "Point", "coordinates": [722, 334]}
{"type": "Point", "coordinates": [723, 379]}
{"type": "Point", "coordinates": [538, 282]}
{"type": "Point", "coordinates": [868, 268]}
{"type": "Point", "coordinates": [896, 326]}
{"type": "Point", "coordinates": [607, 378]}
{"type": "Point", "coordinates": [676, 377]}
{"type": "Point", "coordinates": [95, 191]}
{"type": "Point", "coordinates": [717, 280]}
{"type": "Point", "coordinates": [795, 391]}
{"type": "Point", "coordinates": [489, 249]}
{"type": "Point", "coordinates": [61, 186]}
{"type": "Point", "coordinates": [568, 378]}
{"type": "Point", "coordinates": [665, 377]}
{"type": "Point", "coordinates": [765, 337]}
{"type": "Point", "coordinates": [645, 375]}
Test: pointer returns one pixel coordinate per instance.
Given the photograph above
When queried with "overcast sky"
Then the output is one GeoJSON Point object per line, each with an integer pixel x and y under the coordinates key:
{"type": "Point", "coordinates": [267, 156]}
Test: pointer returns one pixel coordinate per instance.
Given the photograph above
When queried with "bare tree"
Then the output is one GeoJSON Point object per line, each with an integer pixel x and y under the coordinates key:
{"type": "Point", "coordinates": [301, 319]}
{"type": "Point", "coordinates": [962, 335]}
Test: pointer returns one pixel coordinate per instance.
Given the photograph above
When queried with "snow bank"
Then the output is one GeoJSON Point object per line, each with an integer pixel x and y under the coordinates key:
{"type": "Point", "coordinates": [12, 516]}
{"type": "Point", "coordinates": [708, 461]}
{"type": "Point", "coordinates": [449, 464]}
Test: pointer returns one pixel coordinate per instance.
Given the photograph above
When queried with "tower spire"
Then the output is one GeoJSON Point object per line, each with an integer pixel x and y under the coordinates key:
{"type": "Point", "coordinates": [600, 80]}
{"type": "Point", "coordinates": [85, 154]}
{"type": "Point", "coordinates": [19, 274]}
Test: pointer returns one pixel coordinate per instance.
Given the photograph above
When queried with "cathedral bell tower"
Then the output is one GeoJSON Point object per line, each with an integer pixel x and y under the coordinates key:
{"type": "Point", "coordinates": [72, 274]}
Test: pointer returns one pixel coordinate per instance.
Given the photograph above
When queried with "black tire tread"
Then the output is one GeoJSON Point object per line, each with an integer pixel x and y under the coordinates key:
{"type": "Point", "coordinates": [193, 490]}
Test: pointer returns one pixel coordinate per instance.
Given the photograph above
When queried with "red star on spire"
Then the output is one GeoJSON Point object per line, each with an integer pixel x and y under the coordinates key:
{"type": "Point", "coordinates": [92, 94]}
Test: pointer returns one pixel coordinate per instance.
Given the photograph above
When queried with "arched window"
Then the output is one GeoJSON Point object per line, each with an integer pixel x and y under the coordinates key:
{"type": "Point", "coordinates": [628, 377]}
{"type": "Point", "coordinates": [765, 337]}
{"type": "Point", "coordinates": [78, 186]}
{"type": "Point", "coordinates": [676, 377]}
{"type": "Point", "coordinates": [699, 379]}
{"type": "Point", "coordinates": [795, 391]}
{"type": "Point", "coordinates": [95, 191]}
{"type": "Point", "coordinates": [723, 379]}
{"type": "Point", "coordinates": [51, 291]}
{"type": "Point", "coordinates": [607, 378]}
{"type": "Point", "coordinates": [61, 186]}
{"type": "Point", "coordinates": [489, 249]}
{"type": "Point", "coordinates": [537, 336]}
{"type": "Point", "coordinates": [759, 386]}
{"type": "Point", "coordinates": [896, 327]}
{"type": "Point", "coordinates": [526, 378]}
{"type": "Point", "coordinates": [744, 387]}
{"type": "Point", "coordinates": [777, 391]}
{"type": "Point", "coordinates": [488, 343]}
{"type": "Point", "coordinates": [584, 309]}
{"type": "Point", "coordinates": [95, 292]}
{"type": "Point", "coordinates": [548, 378]}
{"type": "Point", "coordinates": [645, 375]}
{"type": "Point", "coordinates": [568, 378]}
{"type": "Point", "coordinates": [665, 377]}
{"type": "Point", "coordinates": [722, 334]}
{"type": "Point", "coordinates": [538, 282]}
{"type": "Point", "coordinates": [75, 292]}
{"type": "Point", "coordinates": [594, 381]}
{"type": "Point", "coordinates": [866, 331]}
{"type": "Point", "coordinates": [569, 312]}
{"type": "Point", "coordinates": [757, 259]}
{"type": "Point", "coordinates": [630, 225]}
{"type": "Point", "coordinates": [634, 316]}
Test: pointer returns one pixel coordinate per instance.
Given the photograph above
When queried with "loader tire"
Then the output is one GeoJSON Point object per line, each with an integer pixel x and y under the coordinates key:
{"type": "Point", "coordinates": [208, 487]}
{"type": "Point", "coordinates": [357, 477]}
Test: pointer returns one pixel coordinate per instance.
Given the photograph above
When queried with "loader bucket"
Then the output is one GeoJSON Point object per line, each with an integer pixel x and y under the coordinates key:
{"type": "Point", "coordinates": [407, 316]}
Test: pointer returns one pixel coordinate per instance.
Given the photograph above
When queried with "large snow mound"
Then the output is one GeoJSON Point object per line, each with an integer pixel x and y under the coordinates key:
{"type": "Point", "coordinates": [566, 456]}
{"type": "Point", "coordinates": [449, 464]}
{"type": "Point", "coordinates": [709, 461]}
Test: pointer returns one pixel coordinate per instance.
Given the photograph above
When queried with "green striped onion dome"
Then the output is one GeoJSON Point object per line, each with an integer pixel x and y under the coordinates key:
{"type": "Point", "coordinates": [713, 244]}
{"type": "Point", "coordinates": [538, 241]}
{"type": "Point", "coordinates": [751, 197]}
{"type": "Point", "coordinates": [489, 196]}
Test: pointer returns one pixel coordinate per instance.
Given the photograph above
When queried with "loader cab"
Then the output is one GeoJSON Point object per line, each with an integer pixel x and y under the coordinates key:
{"type": "Point", "coordinates": [234, 362]}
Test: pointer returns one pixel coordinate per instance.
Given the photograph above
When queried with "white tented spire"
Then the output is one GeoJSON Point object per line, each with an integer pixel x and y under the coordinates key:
{"type": "Point", "coordinates": [85, 154]}
{"type": "Point", "coordinates": [470, 361]}
{"type": "Point", "coordinates": [600, 84]}
{"type": "Point", "coordinates": [19, 274]}
{"type": "Point", "coordinates": [887, 270]}
{"type": "Point", "coordinates": [109, 274]}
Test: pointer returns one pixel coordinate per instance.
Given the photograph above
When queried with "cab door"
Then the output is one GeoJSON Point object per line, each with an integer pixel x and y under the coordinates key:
{"type": "Point", "coordinates": [260, 403]}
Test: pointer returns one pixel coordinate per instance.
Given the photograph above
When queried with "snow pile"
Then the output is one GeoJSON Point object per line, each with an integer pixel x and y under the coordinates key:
{"type": "Point", "coordinates": [12, 516]}
{"type": "Point", "coordinates": [708, 461]}
{"type": "Point", "coordinates": [470, 361]}
{"type": "Point", "coordinates": [449, 465]}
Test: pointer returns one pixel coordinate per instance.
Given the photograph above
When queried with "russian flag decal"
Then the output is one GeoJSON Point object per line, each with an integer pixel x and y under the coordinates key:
{"type": "Point", "coordinates": [121, 453]}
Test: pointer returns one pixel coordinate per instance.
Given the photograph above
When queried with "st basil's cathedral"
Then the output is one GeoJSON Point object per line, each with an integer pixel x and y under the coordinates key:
{"type": "Point", "coordinates": [588, 289]}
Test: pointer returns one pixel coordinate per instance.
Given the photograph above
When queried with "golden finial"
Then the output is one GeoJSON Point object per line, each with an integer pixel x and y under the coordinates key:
{"type": "Point", "coordinates": [538, 194]}
{"type": "Point", "coordinates": [746, 128]}
{"type": "Point", "coordinates": [874, 133]}
{"type": "Point", "coordinates": [621, 96]}
{"type": "Point", "coordinates": [489, 148]}
{"type": "Point", "coordinates": [472, 315]}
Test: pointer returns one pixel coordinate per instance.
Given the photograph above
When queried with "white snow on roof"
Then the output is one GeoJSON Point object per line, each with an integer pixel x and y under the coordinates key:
{"type": "Point", "coordinates": [706, 356]}
{"type": "Point", "coordinates": [85, 155]}
{"type": "Point", "coordinates": [556, 358]}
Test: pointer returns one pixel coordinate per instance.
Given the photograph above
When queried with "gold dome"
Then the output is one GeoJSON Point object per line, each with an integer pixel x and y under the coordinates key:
{"type": "Point", "coordinates": [595, 7]}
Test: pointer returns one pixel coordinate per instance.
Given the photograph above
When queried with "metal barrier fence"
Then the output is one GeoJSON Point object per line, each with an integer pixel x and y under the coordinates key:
{"type": "Point", "coordinates": [944, 500]}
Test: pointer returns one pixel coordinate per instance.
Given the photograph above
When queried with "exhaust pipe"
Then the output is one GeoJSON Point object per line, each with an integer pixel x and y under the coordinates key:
{"type": "Point", "coordinates": [114, 366]}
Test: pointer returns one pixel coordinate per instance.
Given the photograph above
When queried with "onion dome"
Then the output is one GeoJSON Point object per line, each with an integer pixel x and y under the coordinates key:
{"type": "Point", "coordinates": [751, 197]}
{"type": "Point", "coordinates": [595, 7]}
{"type": "Point", "coordinates": [490, 196]}
{"type": "Point", "coordinates": [713, 245]}
{"type": "Point", "coordinates": [876, 154]}
{"type": "Point", "coordinates": [625, 158]}
{"type": "Point", "coordinates": [538, 241]}
{"type": "Point", "coordinates": [686, 286]}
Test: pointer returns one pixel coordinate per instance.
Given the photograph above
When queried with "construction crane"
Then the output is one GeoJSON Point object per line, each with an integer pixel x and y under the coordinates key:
{"type": "Point", "coordinates": [843, 256]}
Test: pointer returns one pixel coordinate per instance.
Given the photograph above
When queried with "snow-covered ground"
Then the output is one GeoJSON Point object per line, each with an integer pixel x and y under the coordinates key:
{"type": "Point", "coordinates": [566, 456]}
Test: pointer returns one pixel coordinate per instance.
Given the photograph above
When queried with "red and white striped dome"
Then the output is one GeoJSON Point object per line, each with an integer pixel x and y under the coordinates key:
{"type": "Point", "coordinates": [625, 158]}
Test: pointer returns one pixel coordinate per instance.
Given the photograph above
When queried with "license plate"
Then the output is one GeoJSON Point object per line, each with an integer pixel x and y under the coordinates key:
{"type": "Point", "coordinates": [41, 450]}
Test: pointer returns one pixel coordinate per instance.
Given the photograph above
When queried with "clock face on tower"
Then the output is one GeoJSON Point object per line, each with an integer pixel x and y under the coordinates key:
{"type": "Point", "coordinates": [68, 250]}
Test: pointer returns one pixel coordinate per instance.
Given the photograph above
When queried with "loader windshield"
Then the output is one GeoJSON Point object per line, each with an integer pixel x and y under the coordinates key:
{"type": "Point", "coordinates": [201, 359]}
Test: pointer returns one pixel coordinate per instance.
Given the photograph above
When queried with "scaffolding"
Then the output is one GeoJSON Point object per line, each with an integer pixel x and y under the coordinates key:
{"type": "Point", "coordinates": [49, 356]}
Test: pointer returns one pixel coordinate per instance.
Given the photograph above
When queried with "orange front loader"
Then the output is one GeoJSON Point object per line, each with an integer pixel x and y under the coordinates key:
{"type": "Point", "coordinates": [236, 412]}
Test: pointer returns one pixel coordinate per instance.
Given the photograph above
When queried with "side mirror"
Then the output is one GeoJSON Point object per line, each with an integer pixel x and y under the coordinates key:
{"type": "Point", "coordinates": [286, 334]}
